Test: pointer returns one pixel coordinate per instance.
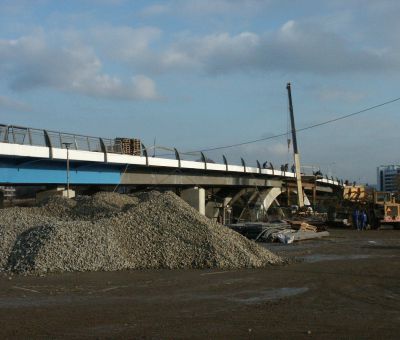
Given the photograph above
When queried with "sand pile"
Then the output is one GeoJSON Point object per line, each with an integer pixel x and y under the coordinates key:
{"type": "Point", "coordinates": [113, 232]}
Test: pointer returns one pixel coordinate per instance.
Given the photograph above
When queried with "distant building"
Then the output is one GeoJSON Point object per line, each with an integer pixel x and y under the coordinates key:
{"type": "Point", "coordinates": [388, 177]}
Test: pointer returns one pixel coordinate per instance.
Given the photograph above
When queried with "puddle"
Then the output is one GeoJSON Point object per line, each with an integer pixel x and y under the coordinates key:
{"type": "Point", "coordinates": [320, 257]}
{"type": "Point", "coordinates": [268, 295]}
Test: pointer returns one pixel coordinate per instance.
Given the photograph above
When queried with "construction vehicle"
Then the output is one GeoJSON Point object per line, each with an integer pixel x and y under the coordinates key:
{"type": "Point", "coordinates": [387, 208]}
{"type": "Point", "coordinates": [382, 207]}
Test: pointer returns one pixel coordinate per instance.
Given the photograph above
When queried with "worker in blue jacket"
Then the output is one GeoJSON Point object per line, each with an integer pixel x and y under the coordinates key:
{"type": "Point", "coordinates": [356, 219]}
{"type": "Point", "coordinates": [364, 219]}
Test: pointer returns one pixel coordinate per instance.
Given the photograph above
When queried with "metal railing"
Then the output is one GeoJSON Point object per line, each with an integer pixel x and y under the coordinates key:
{"type": "Point", "coordinates": [37, 137]}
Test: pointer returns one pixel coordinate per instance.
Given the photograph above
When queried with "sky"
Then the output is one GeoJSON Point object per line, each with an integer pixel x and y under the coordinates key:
{"type": "Point", "coordinates": [198, 74]}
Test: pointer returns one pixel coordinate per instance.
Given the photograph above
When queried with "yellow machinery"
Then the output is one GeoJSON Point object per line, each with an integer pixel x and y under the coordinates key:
{"type": "Point", "coordinates": [387, 208]}
{"type": "Point", "coordinates": [382, 207]}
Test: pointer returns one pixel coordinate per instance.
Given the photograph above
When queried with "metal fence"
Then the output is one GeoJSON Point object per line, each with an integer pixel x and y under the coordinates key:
{"type": "Point", "coordinates": [30, 136]}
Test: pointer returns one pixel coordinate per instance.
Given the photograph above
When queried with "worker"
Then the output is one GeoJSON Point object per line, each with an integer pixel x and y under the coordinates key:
{"type": "Point", "coordinates": [364, 219]}
{"type": "Point", "coordinates": [265, 165]}
{"type": "Point", "coordinates": [356, 219]}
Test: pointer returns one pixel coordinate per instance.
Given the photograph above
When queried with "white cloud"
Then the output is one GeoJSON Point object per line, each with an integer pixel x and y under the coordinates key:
{"type": "Point", "coordinates": [295, 47]}
{"type": "Point", "coordinates": [31, 62]}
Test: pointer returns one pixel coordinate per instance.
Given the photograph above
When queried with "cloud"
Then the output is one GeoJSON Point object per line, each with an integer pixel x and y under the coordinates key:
{"type": "Point", "coordinates": [295, 47]}
{"type": "Point", "coordinates": [32, 62]}
{"type": "Point", "coordinates": [301, 47]}
{"type": "Point", "coordinates": [11, 104]}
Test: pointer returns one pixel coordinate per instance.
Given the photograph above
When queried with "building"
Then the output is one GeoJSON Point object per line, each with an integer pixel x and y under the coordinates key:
{"type": "Point", "coordinates": [388, 177]}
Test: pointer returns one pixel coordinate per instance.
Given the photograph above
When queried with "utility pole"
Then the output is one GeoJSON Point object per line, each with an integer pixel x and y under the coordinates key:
{"type": "Point", "coordinates": [300, 197]}
{"type": "Point", "coordinates": [67, 146]}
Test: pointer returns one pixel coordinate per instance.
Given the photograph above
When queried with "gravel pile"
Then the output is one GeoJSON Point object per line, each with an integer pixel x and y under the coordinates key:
{"type": "Point", "coordinates": [102, 205]}
{"type": "Point", "coordinates": [113, 232]}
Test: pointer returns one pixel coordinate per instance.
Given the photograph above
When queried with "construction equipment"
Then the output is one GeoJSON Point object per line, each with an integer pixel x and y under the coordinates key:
{"type": "Point", "coordinates": [382, 207]}
{"type": "Point", "coordinates": [387, 208]}
{"type": "Point", "coordinates": [300, 195]}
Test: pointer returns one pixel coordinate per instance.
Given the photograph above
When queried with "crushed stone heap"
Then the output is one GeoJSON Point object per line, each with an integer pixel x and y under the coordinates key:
{"type": "Point", "coordinates": [109, 231]}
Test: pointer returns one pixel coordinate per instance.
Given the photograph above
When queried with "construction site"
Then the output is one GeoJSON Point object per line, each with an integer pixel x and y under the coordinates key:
{"type": "Point", "coordinates": [123, 245]}
{"type": "Point", "coordinates": [150, 265]}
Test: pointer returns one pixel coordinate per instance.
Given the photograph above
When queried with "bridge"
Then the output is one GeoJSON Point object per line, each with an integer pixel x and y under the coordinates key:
{"type": "Point", "coordinates": [31, 156]}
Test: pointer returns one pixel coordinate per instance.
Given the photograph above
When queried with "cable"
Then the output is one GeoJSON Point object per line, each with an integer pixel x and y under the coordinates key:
{"type": "Point", "coordinates": [298, 130]}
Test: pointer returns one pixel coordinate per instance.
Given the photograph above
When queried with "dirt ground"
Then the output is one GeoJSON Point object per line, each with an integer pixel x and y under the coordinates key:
{"type": "Point", "coordinates": [345, 286]}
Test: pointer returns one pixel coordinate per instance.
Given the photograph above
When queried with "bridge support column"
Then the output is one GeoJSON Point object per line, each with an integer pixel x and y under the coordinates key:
{"type": "Point", "coordinates": [195, 197]}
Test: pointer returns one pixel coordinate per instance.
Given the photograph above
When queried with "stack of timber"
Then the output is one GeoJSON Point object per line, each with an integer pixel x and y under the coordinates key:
{"type": "Point", "coordinates": [280, 231]}
{"type": "Point", "coordinates": [303, 226]}
{"type": "Point", "coordinates": [130, 146]}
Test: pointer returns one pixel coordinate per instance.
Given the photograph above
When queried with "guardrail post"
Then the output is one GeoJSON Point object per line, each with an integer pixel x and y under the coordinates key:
{"type": "Point", "coordinates": [5, 139]}
{"type": "Point", "coordinates": [145, 154]}
{"type": "Point", "coordinates": [204, 160]}
{"type": "Point", "coordinates": [104, 150]}
{"type": "Point", "coordinates": [243, 164]}
{"type": "Point", "coordinates": [178, 157]}
{"type": "Point", "coordinates": [13, 134]}
{"type": "Point", "coordinates": [29, 136]}
{"type": "Point", "coordinates": [225, 162]}
{"type": "Point", "coordinates": [259, 167]}
{"type": "Point", "coordinates": [47, 140]}
{"type": "Point", "coordinates": [272, 168]}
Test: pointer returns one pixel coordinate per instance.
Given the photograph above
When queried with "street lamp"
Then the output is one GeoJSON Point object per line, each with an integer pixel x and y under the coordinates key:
{"type": "Point", "coordinates": [67, 146]}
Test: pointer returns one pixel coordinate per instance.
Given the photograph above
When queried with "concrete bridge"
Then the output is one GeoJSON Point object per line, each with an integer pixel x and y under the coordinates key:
{"type": "Point", "coordinates": [39, 157]}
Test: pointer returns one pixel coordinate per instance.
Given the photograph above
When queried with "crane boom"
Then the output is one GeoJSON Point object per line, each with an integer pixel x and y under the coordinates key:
{"type": "Point", "coordinates": [300, 197]}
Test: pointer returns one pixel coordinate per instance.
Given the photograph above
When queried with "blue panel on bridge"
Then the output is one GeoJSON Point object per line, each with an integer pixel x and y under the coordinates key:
{"type": "Point", "coordinates": [45, 172]}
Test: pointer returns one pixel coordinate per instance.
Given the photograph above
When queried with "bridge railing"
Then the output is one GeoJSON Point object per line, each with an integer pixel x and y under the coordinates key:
{"type": "Point", "coordinates": [37, 137]}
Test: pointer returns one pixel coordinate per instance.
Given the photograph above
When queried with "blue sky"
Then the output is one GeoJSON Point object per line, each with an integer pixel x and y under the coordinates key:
{"type": "Point", "coordinates": [198, 73]}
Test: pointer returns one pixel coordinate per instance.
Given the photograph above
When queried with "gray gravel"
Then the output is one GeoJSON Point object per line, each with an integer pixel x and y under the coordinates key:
{"type": "Point", "coordinates": [109, 231]}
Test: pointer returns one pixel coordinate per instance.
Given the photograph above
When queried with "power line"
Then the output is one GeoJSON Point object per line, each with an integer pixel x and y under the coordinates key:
{"type": "Point", "coordinates": [299, 130]}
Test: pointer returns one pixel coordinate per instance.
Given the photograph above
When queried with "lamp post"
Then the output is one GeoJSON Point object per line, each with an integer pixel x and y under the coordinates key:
{"type": "Point", "coordinates": [67, 146]}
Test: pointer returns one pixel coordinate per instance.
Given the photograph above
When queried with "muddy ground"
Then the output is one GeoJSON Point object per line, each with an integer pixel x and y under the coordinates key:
{"type": "Point", "coordinates": [345, 286]}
